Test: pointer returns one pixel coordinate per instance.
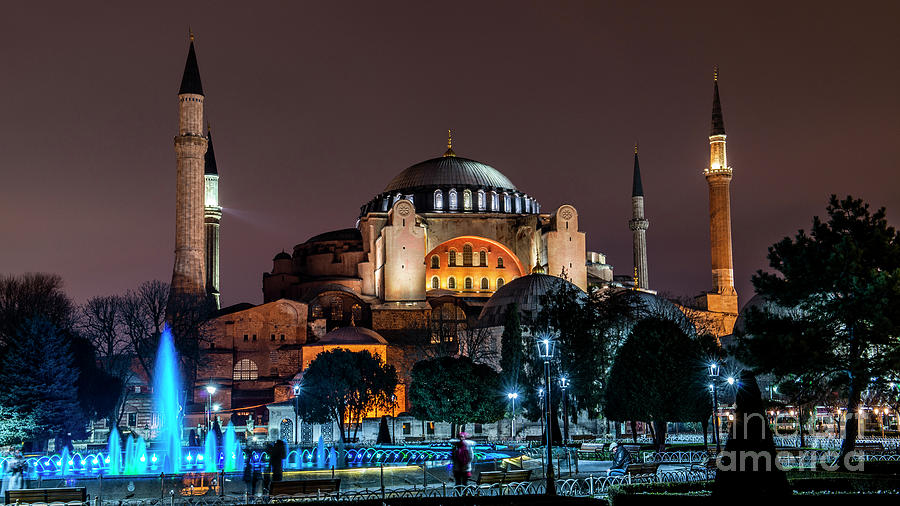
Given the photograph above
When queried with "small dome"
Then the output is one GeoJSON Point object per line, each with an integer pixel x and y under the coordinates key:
{"type": "Point", "coordinates": [282, 256]}
{"type": "Point", "coordinates": [525, 291]}
{"type": "Point", "coordinates": [344, 234]}
{"type": "Point", "coordinates": [449, 171]}
{"type": "Point", "coordinates": [350, 335]}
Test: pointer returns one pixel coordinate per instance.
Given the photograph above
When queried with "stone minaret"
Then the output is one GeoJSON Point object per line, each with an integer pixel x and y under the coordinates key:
{"type": "Point", "coordinates": [212, 215]}
{"type": "Point", "coordinates": [723, 297]}
{"type": "Point", "coordinates": [188, 275]}
{"type": "Point", "coordinates": [638, 225]}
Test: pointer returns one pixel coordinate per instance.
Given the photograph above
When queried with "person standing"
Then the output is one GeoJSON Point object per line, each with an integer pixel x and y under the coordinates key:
{"type": "Point", "coordinates": [462, 454]}
{"type": "Point", "coordinates": [15, 467]}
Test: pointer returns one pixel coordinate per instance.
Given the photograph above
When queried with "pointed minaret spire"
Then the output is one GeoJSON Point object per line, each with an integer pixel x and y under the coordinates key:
{"type": "Point", "coordinates": [449, 151]}
{"type": "Point", "coordinates": [718, 121]}
{"type": "Point", "coordinates": [190, 81]}
{"type": "Point", "coordinates": [212, 215]}
{"type": "Point", "coordinates": [638, 225]}
{"type": "Point", "coordinates": [637, 189]}
{"type": "Point", "coordinates": [209, 159]}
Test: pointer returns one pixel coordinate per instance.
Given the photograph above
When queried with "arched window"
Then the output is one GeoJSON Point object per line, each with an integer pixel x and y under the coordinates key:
{"type": "Point", "coordinates": [435, 283]}
{"type": "Point", "coordinates": [499, 262]}
{"type": "Point", "coordinates": [356, 312]}
{"type": "Point", "coordinates": [317, 311]}
{"type": "Point", "coordinates": [484, 284]}
{"type": "Point", "coordinates": [385, 203]}
{"type": "Point", "coordinates": [452, 200]}
{"type": "Point", "coordinates": [518, 204]}
{"type": "Point", "coordinates": [495, 201]}
{"type": "Point", "coordinates": [447, 321]}
{"type": "Point", "coordinates": [507, 203]}
{"type": "Point", "coordinates": [499, 283]}
{"type": "Point", "coordinates": [467, 200]}
{"type": "Point", "coordinates": [468, 284]}
{"type": "Point", "coordinates": [245, 370]}
{"type": "Point", "coordinates": [435, 262]}
{"type": "Point", "coordinates": [481, 200]}
{"type": "Point", "coordinates": [337, 309]}
{"type": "Point", "coordinates": [452, 258]}
{"type": "Point", "coordinates": [467, 255]}
{"type": "Point", "coordinates": [451, 283]}
{"type": "Point", "coordinates": [527, 205]}
{"type": "Point", "coordinates": [438, 200]}
{"type": "Point", "coordinates": [397, 197]}
{"type": "Point", "coordinates": [482, 258]}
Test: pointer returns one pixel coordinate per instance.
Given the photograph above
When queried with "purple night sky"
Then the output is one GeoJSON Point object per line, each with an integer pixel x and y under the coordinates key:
{"type": "Point", "coordinates": [315, 106]}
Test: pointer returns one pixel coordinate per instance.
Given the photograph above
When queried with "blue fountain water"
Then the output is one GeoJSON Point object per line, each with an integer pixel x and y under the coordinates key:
{"type": "Point", "coordinates": [320, 453]}
{"type": "Point", "coordinates": [114, 451]}
{"type": "Point", "coordinates": [209, 452]}
{"type": "Point", "coordinates": [140, 467]}
{"type": "Point", "coordinates": [233, 456]}
{"type": "Point", "coordinates": [166, 388]}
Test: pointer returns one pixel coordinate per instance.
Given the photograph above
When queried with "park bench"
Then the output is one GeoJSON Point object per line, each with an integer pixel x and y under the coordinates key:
{"type": "Point", "coordinates": [583, 437]}
{"type": "Point", "coordinates": [501, 478]}
{"type": "Point", "coordinates": [414, 439]}
{"type": "Point", "coordinates": [590, 450]}
{"type": "Point", "coordinates": [642, 468]}
{"type": "Point", "coordinates": [305, 488]}
{"type": "Point", "coordinates": [534, 439]}
{"type": "Point", "coordinates": [707, 465]}
{"type": "Point", "coordinates": [47, 495]}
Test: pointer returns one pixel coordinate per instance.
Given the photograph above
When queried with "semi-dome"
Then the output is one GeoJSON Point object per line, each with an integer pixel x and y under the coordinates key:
{"type": "Point", "coordinates": [450, 171]}
{"type": "Point", "coordinates": [525, 292]}
{"type": "Point", "coordinates": [350, 335]}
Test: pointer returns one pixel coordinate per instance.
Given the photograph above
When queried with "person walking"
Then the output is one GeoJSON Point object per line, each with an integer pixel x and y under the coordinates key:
{"type": "Point", "coordinates": [462, 454]}
{"type": "Point", "coordinates": [15, 469]}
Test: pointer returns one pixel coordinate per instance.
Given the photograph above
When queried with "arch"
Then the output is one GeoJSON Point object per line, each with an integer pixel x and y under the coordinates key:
{"type": "Point", "coordinates": [451, 283]}
{"type": "Point", "coordinates": [452, 197]}
{"type": "Point", "coordinates": [500, 283]}
{"type": "Point", "coordinates": [495, 201]}
{"type": "Point", "coordinates": [480, 200]}
{"type": "Point", "coordinates": [467, 200]}
{"type": "Point", "coordinates": [438, 200]}
{"type": "Point", "coordinates": [484, 284]}
{"type": "Point", "coordinates": [499, 262]}
{"type": "Point", "coordinates": [468, 283]}
{"type": "Point", "coordinates": [435, 282]}
{"type": "Point", "coordinates": [452, 262]}
{"type": "Point", "coordinates": [482, 258]}
{"type": "Point", "coordinates": [467, 255]}
{"type": "Point", "coordinates": [245, 370]}
{"type": "Point", "coordinates": [435, 262]}
{"type": "Point", "coordinates": [507, 203]}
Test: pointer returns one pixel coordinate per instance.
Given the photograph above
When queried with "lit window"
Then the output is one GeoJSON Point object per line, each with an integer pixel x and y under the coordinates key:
{"type": "Point", "coordinates": [410, 198]}
{"type": "Point", "coordinates": [468, 284]}
{"type": "Point", "coordinates": [246, 370]}
{"type": "Point", "coordinates": [467, 200]}
{"type": "Point", "coordinates": [317, 311]}
{"type": "Point", "coordinates": [452, 200]}
{"type": "Point", "coordinates": [481, 200]}
{"type": "Point", "coordinates": [499, 283]}
{"type": "Point", "coordinates": [484, 283]}
{"type": "Point", "coordinates": [518, 204]}
{"type": "Point", "coordinates": [451, 283]}
{"type": "Point", "coordinates": [499, 262]}
{"type": "Point", "coordinates": [407, 428]}
{"type": "Point", "coordinates": [385, 203]}
{"type": "Point", "coordinates": [435, 262]}
{"type": "Point", "coordinates": [507, 207]}
{"type": "Point", "coordinates": [527, 205]}
{"type": "Point", "coordinates": [337, 309]}
{"type": "Point", "coordinates": [467, 255]}
{"type": "Point", "coordinates": [438, 200]}
{"type": "Point", "coordinates": [453, 258]}
{"type": "Point", "coordinates": [429, 427]}
{"type": "Point", "coordinates": [356, 312]}
{"type": "Point", "coordinates": [482, 258]}
{"type": "Point", "coordinates": [495, 201]}
{"type": "Point", "coordinates": [435, 283]}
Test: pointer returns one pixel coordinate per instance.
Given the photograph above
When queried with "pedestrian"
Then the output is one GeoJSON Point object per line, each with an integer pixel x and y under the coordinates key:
{"type": "Point", "coordinates": [250, 478]}
{"type": "Point", "coordinates": [620, 461]}
{"type": "Point", "coordinates": [462, 456]}
{"type": "Point", "coordinates": [15, 469]}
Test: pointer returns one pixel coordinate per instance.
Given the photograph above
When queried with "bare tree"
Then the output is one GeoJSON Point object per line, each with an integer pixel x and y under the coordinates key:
{"type": "Point", "coordinates": [29, 295]}
{"type": "Point", "coordinates": [102, 322]}
{"type": "Point", "coordinates": [143, 316]}
{"type": "Point", "coordinates": [481, 345]}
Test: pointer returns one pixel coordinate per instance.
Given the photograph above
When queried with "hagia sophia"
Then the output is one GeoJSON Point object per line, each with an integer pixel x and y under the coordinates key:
{"type": "Point", "coordinates": [448, 245]}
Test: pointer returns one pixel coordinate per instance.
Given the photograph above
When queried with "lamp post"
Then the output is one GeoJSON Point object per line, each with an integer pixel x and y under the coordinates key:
{"type": "Point", "coordinates": [564, 384]}
{"type": "Point", "coordinates": [512, 396]}
{"type": "Point", "coordinates": [296, 389]}
{"type": "Point", "coordinates": [210, 390]}
{"type": "Point", "coordinates": [714, 378]}
{"type": "Point", "coordinates": [546, 347]}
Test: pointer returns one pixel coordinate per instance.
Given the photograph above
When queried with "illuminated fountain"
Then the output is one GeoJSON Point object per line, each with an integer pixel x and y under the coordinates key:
{"type": "Point", "coordinates": [166, 388]}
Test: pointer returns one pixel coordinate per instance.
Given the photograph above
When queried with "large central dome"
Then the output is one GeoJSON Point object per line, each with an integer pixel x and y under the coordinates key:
{"type": "Point", "coordinates": [450, 171]}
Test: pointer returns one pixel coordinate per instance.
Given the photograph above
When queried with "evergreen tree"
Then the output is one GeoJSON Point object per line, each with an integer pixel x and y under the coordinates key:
{"type": "Point", "coordinates": [512, 348]}
{"type": "Point", "coordinates": [456, 390]}
{"type": "Point", "coordinates": [833, 316]}
{"type": "Point", "coordinates": [38, 378]}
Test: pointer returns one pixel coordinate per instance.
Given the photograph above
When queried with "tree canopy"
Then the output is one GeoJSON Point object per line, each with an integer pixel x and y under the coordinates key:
{"type": "Point", "coordinates": [658, 375]}
{"type": "Point", "coordinates": [342, 385]}
{"type": "Point", "coordinates": [455, 390]}
{"type": "Point", "coordinates": [832, 316]}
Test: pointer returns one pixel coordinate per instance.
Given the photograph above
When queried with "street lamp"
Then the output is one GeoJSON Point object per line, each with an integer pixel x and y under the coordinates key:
{"type": "Point", "coordinates": [714, 377]}
{"type": "Point", "coordinates": [563, 384]}
{"type": "Point", "coordinates": [730, 380]}
{"type": "Point", "coordinates": [545, 348]}
{"type": "Point", "coordinates": [296, 389]}
{"type": "Point", "coordinates": [210, 390]}
{"type": "Point", "coordinates": [541, 402]}
{"type": "Point", "coordinates": [512, 396]}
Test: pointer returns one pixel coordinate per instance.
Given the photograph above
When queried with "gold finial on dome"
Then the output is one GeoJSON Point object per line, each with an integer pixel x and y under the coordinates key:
{"type": "Point", "coordinates": [537, 269]}
{"type": "Point", "coordinates": [635, 147]}
{"type": "Point", "coordinates": [191, 34]}
{"type": "Point", "coordinates": [715, 73]}
{"type": "Point", "coordinates": [449, 151]}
